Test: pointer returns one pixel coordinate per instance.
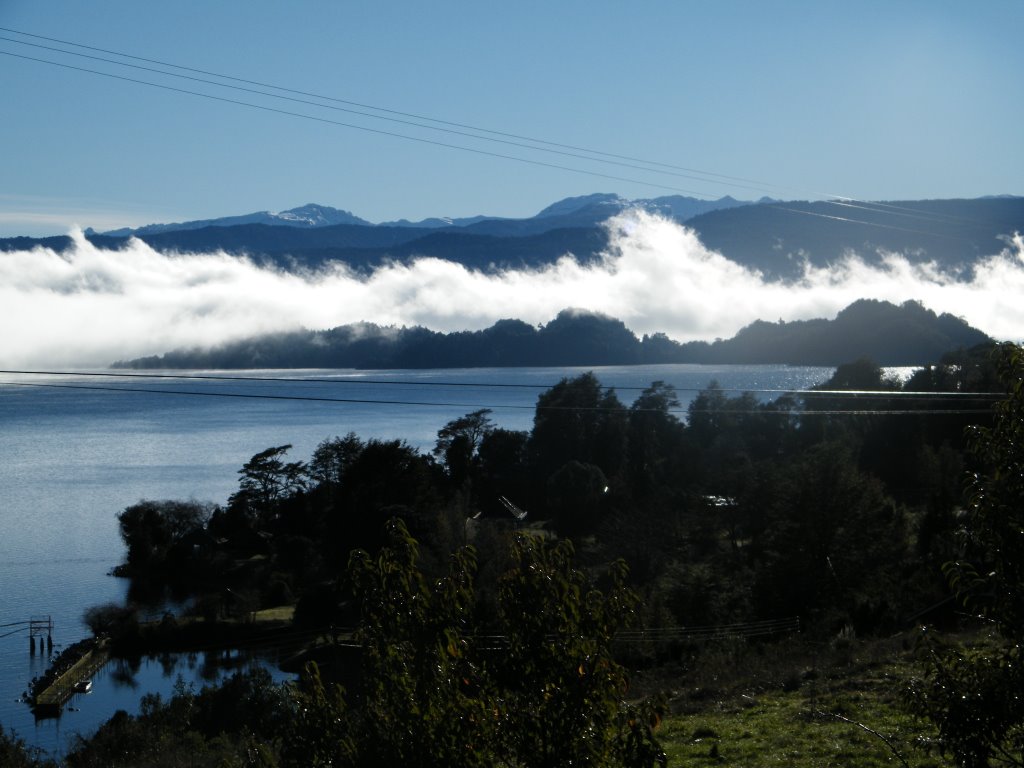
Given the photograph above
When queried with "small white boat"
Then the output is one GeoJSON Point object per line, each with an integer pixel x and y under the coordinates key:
{"type": "Point", "coordinates": [83, 686]}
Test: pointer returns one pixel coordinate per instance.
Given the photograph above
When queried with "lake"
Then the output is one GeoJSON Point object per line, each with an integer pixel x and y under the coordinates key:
{"type": "Point", "coordinates": [75, 450]}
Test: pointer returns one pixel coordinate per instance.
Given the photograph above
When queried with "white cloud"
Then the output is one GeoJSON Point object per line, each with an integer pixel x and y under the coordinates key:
{"type": "Point", "coordinates": [90, 306]}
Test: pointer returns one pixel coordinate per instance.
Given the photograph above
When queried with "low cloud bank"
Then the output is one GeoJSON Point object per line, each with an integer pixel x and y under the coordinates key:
{"type": "Point", "coordinates": [90, 306]}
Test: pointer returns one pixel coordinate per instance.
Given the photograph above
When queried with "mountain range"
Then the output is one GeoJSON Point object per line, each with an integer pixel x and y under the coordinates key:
{"type": "Point", "coordinates": [585, 210]}
{"type": "Point", "coordinates": [775, 237]}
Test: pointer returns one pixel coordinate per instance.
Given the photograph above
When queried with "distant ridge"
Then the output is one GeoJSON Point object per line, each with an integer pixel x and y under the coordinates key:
{"type": "Point", "coordinates": [779, 239]}
{"type": "Point", "coordinates": [888, 334]}
{"type": "Point", "coordinates": [591, 209]}
{"type": "Point", "coordinates": [310, 215]}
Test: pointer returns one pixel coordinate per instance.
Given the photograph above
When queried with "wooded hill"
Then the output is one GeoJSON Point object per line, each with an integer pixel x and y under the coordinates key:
{"type": "Point", "coordinates": [891, 335]}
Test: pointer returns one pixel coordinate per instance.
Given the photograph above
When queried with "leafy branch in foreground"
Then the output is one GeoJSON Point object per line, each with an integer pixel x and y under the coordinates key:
{"type": "Point", "coordinates": [974, 695]}
{"type": "Point", "coordinates": [542, 690]}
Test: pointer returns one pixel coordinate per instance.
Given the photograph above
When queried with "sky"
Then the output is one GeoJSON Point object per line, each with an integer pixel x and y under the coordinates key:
{"type": "Point", "coordinates": [794, 100]}
{"type": "Point", "coordinates": [536, 102]}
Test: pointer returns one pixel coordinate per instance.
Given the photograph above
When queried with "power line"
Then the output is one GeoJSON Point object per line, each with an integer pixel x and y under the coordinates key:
{"type": "Point", "coordinates": [388, 110]}
{"type": "Point", "coordinates": [286, 379]}
{"type": "Point", "coordinates": [748, 629]}
{"type": "Point", "coordinates": [256, 396]}
{"type": "Point", "coordinates": [861, 222]}
{"type": "Point", "coordinates": [355, 126]}
{"type": "Point", "coordinates": [866, 393]}
{"type": "Point", "coordinates": [900, 210]}
{"type": "Point", "coordinates": [508, 406]}
{"type": "Point", "coordinates": [401, 121]}
{"type": "Point", "coordinates": [761, 185]}
{"type": "Point", "coordinates": [511, 139]}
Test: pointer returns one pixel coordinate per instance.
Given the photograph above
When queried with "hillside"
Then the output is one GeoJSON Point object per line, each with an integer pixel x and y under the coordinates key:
{"type": "Point", "coordinates": [777, 237]}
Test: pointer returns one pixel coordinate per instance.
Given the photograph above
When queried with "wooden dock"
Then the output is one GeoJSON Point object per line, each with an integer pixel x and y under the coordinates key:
{"type": "Point", "coordinates": [51, 700]}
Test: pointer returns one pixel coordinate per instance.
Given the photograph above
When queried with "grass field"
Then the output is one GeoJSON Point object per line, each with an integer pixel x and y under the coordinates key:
{"type": "Point", "coordinates": [283, 613]}
{"type": "Point", "coordinates": [798, 705]}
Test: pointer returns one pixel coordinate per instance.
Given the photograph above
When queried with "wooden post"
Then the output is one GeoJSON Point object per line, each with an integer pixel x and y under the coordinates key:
{"type": "Point", "coordinates": [37, 625]}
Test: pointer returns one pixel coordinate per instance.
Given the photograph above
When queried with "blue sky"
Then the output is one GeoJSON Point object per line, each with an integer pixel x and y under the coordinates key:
{"type": "Point", "coordinates": [872, 100]}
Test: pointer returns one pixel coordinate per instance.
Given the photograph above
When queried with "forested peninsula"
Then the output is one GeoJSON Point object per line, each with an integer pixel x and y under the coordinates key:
{"type": "Point", "coordinates": [617, 586]}
{"type": "Point", "coordinates": [890, 335]}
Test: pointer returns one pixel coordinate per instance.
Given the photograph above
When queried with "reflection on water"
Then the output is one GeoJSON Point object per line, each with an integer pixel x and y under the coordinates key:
{"type": "Point", "coordinates": [123, 682]}
{"type": "Point", "coordinates": [122, 673]}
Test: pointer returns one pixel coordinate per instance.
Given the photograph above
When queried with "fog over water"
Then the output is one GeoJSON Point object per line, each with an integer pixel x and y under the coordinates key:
{"type": "Point", "coordinates": [90, 306]}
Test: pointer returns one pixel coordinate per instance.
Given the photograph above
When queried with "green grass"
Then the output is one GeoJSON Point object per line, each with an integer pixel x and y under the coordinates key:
{"type": "Point", "coordinates": [760, 714]}
{"type": "Point", "coordinates": [281, 613]}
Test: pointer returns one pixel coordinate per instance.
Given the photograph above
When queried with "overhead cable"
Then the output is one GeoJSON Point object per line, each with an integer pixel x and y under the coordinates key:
{"type": "Point", "coordinates": [504, 406]}
{"type": "Point", "coordinates": [401, 121]}
{"type": "Point", "coordinates": [478, 133]}
{"type": "Point", "coordinates": [358, 380]}
{"type": "Point", "coordinates": [355, 126]}
{"type": "Point", "coordinates": [391, 111]}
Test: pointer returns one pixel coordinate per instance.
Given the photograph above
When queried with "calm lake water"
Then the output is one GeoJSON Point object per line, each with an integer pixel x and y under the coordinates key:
{"type": "Point", "coordinates": [77, 451]}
